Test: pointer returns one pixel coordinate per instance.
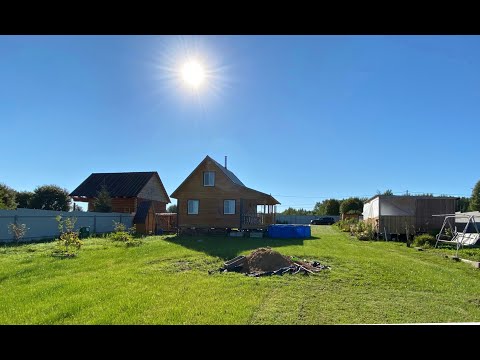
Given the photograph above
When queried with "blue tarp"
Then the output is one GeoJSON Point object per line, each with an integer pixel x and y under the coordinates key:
{"type": "Point", "coordinates": [289, 231]}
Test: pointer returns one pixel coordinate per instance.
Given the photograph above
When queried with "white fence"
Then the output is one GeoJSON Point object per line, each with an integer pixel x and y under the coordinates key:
{"type": "Point", "coordinates": [300, 219]}
{"type": "Point", "coordinates": [42, 223]}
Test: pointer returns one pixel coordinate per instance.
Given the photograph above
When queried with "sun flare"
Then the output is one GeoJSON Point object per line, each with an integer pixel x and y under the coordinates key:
{"type": "Point", "coordinates": [193, 74]}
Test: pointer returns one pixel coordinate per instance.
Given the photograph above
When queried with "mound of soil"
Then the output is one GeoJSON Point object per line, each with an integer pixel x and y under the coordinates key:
{"type": "Point", "coordinates": [265, 259]}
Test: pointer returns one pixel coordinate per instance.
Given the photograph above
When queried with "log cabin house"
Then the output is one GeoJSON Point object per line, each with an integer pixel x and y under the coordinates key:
{"type": "Point", "coordinates": [141, 193]}
{"type": "Point", "coordinates": [212, 197]}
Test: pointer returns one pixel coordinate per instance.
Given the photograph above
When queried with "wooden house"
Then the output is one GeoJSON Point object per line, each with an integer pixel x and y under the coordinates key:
{"type": "Point", "coordinates": [128, 191]}
{"type": "Point", "coordinates": [212, 197]}
{"type": "Point", "coordinates": [393, 214]}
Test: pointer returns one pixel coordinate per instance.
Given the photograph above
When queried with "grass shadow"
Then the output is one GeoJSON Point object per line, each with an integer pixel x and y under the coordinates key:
{"type": "Point", "coordinates": [230, 247]}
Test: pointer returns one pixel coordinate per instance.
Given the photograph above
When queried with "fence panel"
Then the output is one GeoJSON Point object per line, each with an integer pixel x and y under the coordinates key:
{"type": "Point", "coordinates": [300, 219]}
{"type": "Point", "coordinates": [43, 224]}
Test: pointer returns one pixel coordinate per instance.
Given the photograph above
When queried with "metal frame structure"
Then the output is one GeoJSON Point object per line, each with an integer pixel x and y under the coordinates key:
{"type": "Point", "coordinates": [462, 238]}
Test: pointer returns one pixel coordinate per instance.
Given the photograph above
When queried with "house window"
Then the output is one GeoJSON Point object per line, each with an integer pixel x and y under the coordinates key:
{"type": "Point", "coordinates": [229, 207]}
{"type": "Point", "coordinates": [208, 178]}
{"type": "Point", "coordinates": [192, 207]}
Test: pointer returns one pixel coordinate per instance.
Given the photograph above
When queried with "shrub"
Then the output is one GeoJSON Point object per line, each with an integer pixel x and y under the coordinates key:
{"type": "Point", "coordinates": [346, 225]}
{"type": "Point", "coordinates": [69, 239]}
{"type": "Point", "coordinates": [18, 231]}
{"type": "Point", "coordinates": [122, 234]}
{"type": "Point", "coordinates": [424, 240]}
{"type": "Point", "coordinates": [363, 231]}
{"type": "Point", "coordinates": [118, 226]}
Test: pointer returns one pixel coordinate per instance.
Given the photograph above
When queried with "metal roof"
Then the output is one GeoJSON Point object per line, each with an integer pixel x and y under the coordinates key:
{"type": "Point", "coordinates": [227, 172]}
{"type": "Point", "coordinates": [411, 197]}
{"type": "Point", "coordinates": [126, 184]}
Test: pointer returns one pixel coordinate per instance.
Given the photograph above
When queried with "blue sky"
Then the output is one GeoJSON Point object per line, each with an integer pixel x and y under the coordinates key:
{"type": "Point", "coordinates": [301, 117]}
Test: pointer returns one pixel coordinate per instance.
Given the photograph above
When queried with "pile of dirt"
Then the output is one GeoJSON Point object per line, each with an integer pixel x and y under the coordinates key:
{"type": "Point", "coordinates": [265, 259]}
{"type": "Point", "coordinates": [267, 262]}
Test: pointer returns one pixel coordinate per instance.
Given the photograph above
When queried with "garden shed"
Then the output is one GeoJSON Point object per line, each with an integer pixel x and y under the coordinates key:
{"type": "Point", "coordinates": [407, 214]}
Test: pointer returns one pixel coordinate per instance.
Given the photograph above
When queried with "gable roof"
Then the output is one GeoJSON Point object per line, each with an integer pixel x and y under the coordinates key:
{"type": "Point", "coordinates": [227, 172]}
{"type": "Point", "coordinates": [230, 175]}
{"type": "Point", "coordinates": [125, 184]}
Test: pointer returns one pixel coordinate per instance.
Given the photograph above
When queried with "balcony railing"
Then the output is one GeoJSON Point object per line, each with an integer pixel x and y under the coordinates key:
{"type": "Point", "coordinates": [260, 219]}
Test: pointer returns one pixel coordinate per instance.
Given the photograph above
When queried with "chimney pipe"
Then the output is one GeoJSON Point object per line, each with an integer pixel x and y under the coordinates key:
{"type": "Point", "coordinates": [225, 161]}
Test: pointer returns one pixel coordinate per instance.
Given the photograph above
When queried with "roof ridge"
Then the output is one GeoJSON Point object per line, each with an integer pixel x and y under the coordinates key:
{"type": "Point", "coordinates": [227, 172]}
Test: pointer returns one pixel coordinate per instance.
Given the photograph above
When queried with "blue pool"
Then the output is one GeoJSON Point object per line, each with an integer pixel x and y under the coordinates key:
{"type": "Point", "coordinates": [289, 231]}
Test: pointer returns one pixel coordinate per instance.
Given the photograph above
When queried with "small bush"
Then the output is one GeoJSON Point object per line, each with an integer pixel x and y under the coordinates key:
{"type": "Point", "coordinates": [18, 231]}
{"type": "Point", "coordinates": [69, 239]}
{"type": "Point", "coordinates": [425, 241]}
{"type": "Point", "coordinates": [346, 225]}
{"type": "Point", "coordinates": [122, 234]}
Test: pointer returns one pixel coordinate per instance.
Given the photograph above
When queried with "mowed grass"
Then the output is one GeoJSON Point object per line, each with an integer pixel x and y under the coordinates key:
{"type": "Point", "coordinates": [166, 281]}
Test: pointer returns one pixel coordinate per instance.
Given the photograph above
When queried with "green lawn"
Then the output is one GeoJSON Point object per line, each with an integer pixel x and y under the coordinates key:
{"type": "Point", "coordinates": [165, 281]}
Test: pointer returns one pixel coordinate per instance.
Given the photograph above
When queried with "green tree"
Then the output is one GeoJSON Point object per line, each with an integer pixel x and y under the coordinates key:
{"type": "Point", "coordinates": [463, 204]}
{"type": "Point", "coordinates": [289, 211]}
{"type": "Point", "coordinates": [7, 197]}
{"type": "Point", "coordinates": [327, 207]}
{"type": "Point", "coordinates": [475, 198]}
{"type": "Point", "coordinates": [332, 207]}
{"type": "Point", "coordinates": [172, 208]}
{"type": "Point", "coordinates": [388, 192]}
{"type": "Point", "coordinates": [24, 199]}
{"type": "Point", "coordinates": [292, 211]}
{"type": "Point", "coordinates": [50, 197]}
{"type": "Point", "coordinates": [103, 201]}
{"type": "Point", "coordinates": [319, 208]}
{"type": "Point", "coordinates": [352, 205]}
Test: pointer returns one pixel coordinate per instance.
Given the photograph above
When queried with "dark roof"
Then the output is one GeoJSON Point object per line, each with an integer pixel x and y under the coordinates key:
{"type": "Point", "coordinates": [142, 212]}
{"type": "Point", "coordinates": [127, 184]}
{"type": "Point", "coordinates": [227, 172]}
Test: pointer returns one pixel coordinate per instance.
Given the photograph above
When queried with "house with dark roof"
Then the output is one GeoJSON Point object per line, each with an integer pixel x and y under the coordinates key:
{"type": "Point", "coordinates": [141, 193]}
{"type": "Point", "coordinates": [214, 197]}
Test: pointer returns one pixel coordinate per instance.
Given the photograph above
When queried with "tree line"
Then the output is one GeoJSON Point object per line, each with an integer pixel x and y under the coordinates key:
{"type": "Point", "coordinates": [354, 205]}
{"type": "Point", "coordinates": [45, 197]}
{"type": "Point", "coordinates": [53, 197]}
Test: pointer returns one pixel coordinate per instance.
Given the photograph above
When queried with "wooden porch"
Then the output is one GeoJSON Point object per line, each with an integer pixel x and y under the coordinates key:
{"type": "Point", "coordinates": [263, 216]}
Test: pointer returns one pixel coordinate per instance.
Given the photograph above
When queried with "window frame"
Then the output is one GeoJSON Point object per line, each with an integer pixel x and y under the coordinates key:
{"type": "Point", "coordinates": [234, 207]}
{"type": "Point", "coordinates": [188, 207]}
{"type": "Point", "coordinates": [209, 172]}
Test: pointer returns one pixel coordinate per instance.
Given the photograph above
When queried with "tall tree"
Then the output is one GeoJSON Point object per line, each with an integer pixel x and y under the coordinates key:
{"type": "Point", "coordinates": [24, 199]}
{"type": "Point", "coordinates": [319, 208]}
{"type": "Point", "coordinates": [327, 207]}
{"type": "Point", "coordinates": [7, 197]}
{"type": "Point", "coordinates": [463, 204]}
{"type": "Point", "coordinates": [332, 207]}
{"type": "Point", "coordinates": [50, 197]}
{"type": "Point", "coordinates": [292, 211]}
{"type": "Point", "coordinates": [351, 205]}
{"type": "Point", "coordinates": [172, 208]}
{"type": "Point", "coordinates": [388, 192]}
{"type": "Point", "coordinates": [103, 201]}
{"type": "Point", "coordinates": [475, 198]}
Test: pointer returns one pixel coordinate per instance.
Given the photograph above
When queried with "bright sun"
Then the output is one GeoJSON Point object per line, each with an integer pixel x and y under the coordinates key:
{"type": "Point", "coordinates": [193, 74]}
